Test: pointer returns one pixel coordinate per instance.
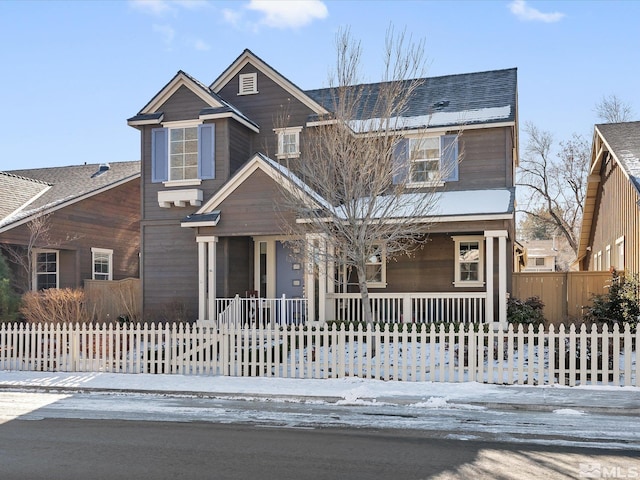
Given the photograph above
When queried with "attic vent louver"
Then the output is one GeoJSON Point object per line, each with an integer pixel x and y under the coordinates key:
{"type": "Point", "coordinates": [248, 83]}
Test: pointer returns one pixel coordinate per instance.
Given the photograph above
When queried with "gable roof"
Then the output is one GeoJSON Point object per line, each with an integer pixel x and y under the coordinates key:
{"type": "Point", "coordinates": [466, 99]}
{"type": "Point", "coordinates": [217, 106]}
{"type": "Point", "coordinates": [246, 57]}
{"type": "Point", "coordinates": [16, 192]}
{"type": "Point", "coordinates": [49, 189]}
{"type": "Point", "coordinates": [622, 141]}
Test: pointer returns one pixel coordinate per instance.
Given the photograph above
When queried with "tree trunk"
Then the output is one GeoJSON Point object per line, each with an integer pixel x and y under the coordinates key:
{"type": "Point", "coordinates": [366, 305]}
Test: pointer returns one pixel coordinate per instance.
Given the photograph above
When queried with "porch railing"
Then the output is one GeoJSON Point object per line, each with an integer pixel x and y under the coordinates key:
{"type": "Point", "coordinates": [259, 312]}
{"type": "Point", "coordinates": [409, 307]}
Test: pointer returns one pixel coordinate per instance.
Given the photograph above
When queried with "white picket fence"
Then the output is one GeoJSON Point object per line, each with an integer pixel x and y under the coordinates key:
{"type": "Point", "coordinates": [408, 352]}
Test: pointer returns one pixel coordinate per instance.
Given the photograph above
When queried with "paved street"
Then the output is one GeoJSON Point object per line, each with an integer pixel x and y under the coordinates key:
{"type": "Point", "coordinates": [110, 449]}
{"type": "Point", "coordinates": [132, 435]}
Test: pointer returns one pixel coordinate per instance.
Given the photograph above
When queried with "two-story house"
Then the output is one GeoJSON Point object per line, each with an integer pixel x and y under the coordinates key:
{"type": "Point", "coordinates": [211, 178]}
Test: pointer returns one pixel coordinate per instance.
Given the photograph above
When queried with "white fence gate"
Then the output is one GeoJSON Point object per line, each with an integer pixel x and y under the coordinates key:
{"type": "Point", "coordinates": [407, 352]}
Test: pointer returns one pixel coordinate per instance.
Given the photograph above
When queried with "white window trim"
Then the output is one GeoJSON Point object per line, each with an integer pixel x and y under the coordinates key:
{"type": "Point", "coordinates": [607, 257]}
{"type": "Point", "coordinates": [34, 267]}
{"type": "Point", "coordinates": [280, 132]}
{"type": "Point", "coordinates": [432, 183]}
{"type": "Point", "coordinates": [383, 268]}
{"type": "Point", "coordinates": [468, 238]}
{"type": "Point", "coordinates": [620, 254]}
{"type": "Point", "coordinates": [106, 251]}
{"type": "Point", "coordinates": [252, 82]}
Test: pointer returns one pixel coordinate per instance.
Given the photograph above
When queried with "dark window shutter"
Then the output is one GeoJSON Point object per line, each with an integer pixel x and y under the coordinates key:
{"type": "Point", "coordinates": [159, 155]}
{"type": "Point", "coordinates": [449, 157]}
{"type": "Point", "coordinates": [206, 151]}
{"type": "Point", "coordinates": [401, 161]}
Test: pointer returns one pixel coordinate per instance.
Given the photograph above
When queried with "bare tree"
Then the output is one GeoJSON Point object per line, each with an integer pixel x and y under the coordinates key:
{"type": "Point", "coordinates": [22, 255]}
{"type": "Point", "coordinates": [352, 194]}
{"type": "Point", "coordinates": [555, 183]}
{"type": "Point", "coordinates": [612, 109]}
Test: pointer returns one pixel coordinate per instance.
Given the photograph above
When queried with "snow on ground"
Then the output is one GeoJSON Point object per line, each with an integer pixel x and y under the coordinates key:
{"type": "Point", "coordinates": [594, 416]}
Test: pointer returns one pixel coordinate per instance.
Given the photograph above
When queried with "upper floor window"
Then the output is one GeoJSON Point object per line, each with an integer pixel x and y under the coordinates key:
{"type": "Point", "coordinates": [288, 142]}
{"type": "Point", "coordinates": [183, 152]}
{"type": "Point", "coordinates": [45, 271]}
{"type": "Point", "coordinates": [247, 83]}
{"type": "Point", "coordinates": [426, 160]}
{"type": "Point", "coordinates": [469, 259]}
{"type": "Point", "coordinates": [102, 261]}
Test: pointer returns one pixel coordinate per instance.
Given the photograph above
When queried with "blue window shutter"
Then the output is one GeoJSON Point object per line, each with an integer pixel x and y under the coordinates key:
{"type": "Point", "coordinates": [206, 151]}
{"type": "Point", "coordinates": [449, 157]}
{"type": "Point", "coordinates": [159, 155]}
{"type": "Point", "coordinates": [401, 162]}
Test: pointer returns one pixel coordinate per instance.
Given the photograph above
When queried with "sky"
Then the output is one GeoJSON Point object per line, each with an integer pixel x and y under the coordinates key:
{"type": "Point", "coordinates": [74, 71]}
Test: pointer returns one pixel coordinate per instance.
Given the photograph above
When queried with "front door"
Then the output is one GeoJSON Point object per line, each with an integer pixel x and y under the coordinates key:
{"type": "Point", "coordinates": [278, 271]}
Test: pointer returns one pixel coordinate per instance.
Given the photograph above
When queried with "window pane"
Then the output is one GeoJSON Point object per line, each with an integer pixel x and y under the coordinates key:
{"type": "Point", "coordinates": [177, 134]}
{"type": "Point", "coordinates": [469, 272]}
{"type": "Point", "coordinates": [191, 133]}
{"type": "Point", "coordinates": [374, 273]}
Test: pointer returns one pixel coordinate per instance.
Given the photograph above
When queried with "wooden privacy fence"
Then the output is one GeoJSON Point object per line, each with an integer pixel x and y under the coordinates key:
{"type": "Point", "coordinates": [390, 352]}
{"type": "Point", "coordinates": [564, 294]}
{"type": "Point", "coordinates": [108, 300]}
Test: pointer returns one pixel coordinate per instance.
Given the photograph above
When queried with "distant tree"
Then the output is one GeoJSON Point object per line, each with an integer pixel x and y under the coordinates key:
{"type": "Point", "coordinates": [537, 226]}
{"type": "Point", "coordinates": [554, 184]}
{"type": "Point", "coordinates": [611, 109]}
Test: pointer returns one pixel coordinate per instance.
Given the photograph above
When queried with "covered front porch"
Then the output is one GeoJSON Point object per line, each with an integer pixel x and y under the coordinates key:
{"type": "Point", "coordinates": [319, 297]}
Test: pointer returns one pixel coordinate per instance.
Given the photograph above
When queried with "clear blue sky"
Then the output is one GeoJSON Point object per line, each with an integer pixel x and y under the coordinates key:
{"type": "Point", "coordinates": [74, 71]}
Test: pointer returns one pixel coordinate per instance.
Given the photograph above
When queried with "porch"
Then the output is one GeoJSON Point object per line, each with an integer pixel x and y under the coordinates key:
{"type": "Point", "coordinates": [347, 307]}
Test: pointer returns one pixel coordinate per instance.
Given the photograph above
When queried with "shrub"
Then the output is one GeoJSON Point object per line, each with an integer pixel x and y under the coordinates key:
{"type": "Point", "coordinates": [55, 306]}
{"type": "Point", "coordinates": [526, 312]}
{"type": "Point", "coordinates": [9, 299]}
{"type": "Point", "coordinates": [620, 305]}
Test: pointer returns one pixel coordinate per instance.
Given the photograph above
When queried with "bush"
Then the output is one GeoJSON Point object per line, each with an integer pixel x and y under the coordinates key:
{"type": "Point", "coordinates": [526, 312]}
{"type": "Point", "coordinates": [9, 300]}
{"type": "Point", "coordinates": [55, 306]}
{"type": "Point", "coordinates": [620, 305]}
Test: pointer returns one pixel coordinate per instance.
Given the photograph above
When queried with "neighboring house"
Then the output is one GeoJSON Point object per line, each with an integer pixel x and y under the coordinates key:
{"type": "Point", "coordinates": [610, 234]}
{"type": "Point", "coordinates": [210, 180]}
{"type": "Point", "coordinates": [78, 222]}
{"type": "Point", "coordinates": [540, 255]}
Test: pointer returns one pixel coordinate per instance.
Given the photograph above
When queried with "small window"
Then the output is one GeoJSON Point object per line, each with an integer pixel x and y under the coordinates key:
{"type": "Point", "coordinates": [539, 262]}
{"type": "Point", "coordinates": [45, 274]}
{"type": "Point", "coordinates": [425, 159]}
{"type": "Point", "coordinates": [607, 257]}
{"type": "Point", "coordinates": [247, 83]}
{"type": "Point", "coordinates": [619, 254]}
{"type": "Point", "coordinates": [469, 257]}
{"type": "Point", "coordinates": [102, 261]}
{"type": "Point", "coordinates": [288, 142]}
{"type": "Point", "coordinates": [376, 267]}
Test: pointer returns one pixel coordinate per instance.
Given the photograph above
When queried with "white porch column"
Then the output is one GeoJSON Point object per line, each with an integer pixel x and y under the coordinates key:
{"type": "Point", "coordinates": [489, 278]}
{"type": "Point", "coordinates": [206, 277]}
{"type": "Point", "coordinates": [502, 275]}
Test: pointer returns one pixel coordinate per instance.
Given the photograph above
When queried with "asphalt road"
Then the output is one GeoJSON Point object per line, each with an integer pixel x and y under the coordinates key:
{"type": "Point", "coordinates": [112, 449]}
